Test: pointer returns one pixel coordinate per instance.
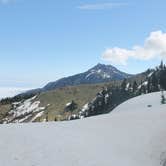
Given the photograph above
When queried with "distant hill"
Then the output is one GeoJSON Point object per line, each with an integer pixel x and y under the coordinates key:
{"type": "Point", "coordinates": [98, 74]}
{"type": "Point", "coordinates": [50, 105]}
{"type": "Point", "coordinates": [77, 101]}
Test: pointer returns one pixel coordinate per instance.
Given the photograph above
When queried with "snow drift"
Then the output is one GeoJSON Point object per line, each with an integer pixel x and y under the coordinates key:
{"type": "Point", "coordinates": [121, 138]}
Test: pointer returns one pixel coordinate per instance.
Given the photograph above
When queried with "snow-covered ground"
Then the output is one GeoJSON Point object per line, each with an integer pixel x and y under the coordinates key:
{"type": "Point", "coordinates": [121, 138]}
{"type": "Point", "coordinates": [148, 102]}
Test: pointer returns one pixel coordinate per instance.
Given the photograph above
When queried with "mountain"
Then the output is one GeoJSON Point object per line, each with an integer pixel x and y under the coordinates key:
{"type": "Point", "coordinates": [67, 103]}
{"type": "Point", "coordinates": [73, 102]}
{"type": "Point", "coordinates": [132, 135]}
{"type": "Point", "coordinates": [98, 74]}
{"type": "Point", "coordinates": [48, 105]}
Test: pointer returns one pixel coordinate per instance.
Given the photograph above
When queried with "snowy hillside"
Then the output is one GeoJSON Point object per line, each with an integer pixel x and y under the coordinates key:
{"type": "Point", "coordinates": [148, 102]}
{"type": "Point", "coordinates": [24, 111]}
{"type": "Point", "coordinates": [121, 138]}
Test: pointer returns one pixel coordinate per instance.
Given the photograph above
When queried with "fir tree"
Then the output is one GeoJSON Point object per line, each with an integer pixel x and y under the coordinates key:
{"type": "Point", "coordinates": [161, 65]}
{"type": "Point", "coordinates": [163, 99]}
{"type": "Point", "coordinates": [135, 86]}
{"type": "Point", "coordinates": [149, 86]}
{"type": "Point", "coordinates": [154, 83]}
{"type": "Point", "coordinates": [163, 79]}
{"type": "Point", "coordinates": [124, 84]}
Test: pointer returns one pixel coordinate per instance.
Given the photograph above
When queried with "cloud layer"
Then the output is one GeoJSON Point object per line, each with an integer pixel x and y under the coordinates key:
{"type": "Point", "coordinates": [100, 6]}
{"type": "Point", "coordinates": [154, 47]}
{"type": "Point", "coordinates": [11, 91]}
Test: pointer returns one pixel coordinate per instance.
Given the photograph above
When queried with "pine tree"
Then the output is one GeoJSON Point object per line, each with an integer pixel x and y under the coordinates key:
{"type": "Point", "coordinates": [163, 99]}
{"type": "Point", "coordinates": [124, 84]}
{"type": "Point", "coordinates": [161, 65]}
{"type": "Point", "coordinates": [148, 86]}
{"type": "Point", "coordinates": [162, 82]}
{"type": "Point", "coordinates": [163, 79]}
{"type": "Point", "coordinates": [154, 83]}
{"type": "Point", "coordinates": [135, 86]}
{"type": "Point", "coordinates": [73, 105]}
{"type": "Point", "coordinates": [143, 89]}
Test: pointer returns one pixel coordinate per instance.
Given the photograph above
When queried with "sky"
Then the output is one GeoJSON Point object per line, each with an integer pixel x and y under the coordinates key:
{"type": "Point", "coordinates": [42, 41]}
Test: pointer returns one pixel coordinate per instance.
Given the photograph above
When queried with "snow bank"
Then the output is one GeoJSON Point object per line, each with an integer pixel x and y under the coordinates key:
{"type": "Point", "coordinates": [119, 139]}
{"type": "Point", "coordinates": [148, 102]}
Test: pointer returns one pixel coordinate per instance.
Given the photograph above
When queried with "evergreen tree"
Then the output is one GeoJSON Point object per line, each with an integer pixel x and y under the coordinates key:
{"type": "Point", "coordinates": [163, 99]}
{"type": "Point", "coordinates": [154, 83]}
{"type": "Point", "coordinates": [135, 86]}
{"type": "Point", "coordinates": [124, 84]}
{"type": "Point", "coordinates": [161, 65]}
{"type": "Point", "coordinates": [162, 82]}
{"type": "Point", "coordinates": [71, 106]}
{"type": "Point", "coordinates": [143, 89]}
{"type": "Point", "coordinates": [163, 79]}
{"type": "Point", "coordinates": [130, 89]}
{"type": "Point", "coordinates": [149, 86]}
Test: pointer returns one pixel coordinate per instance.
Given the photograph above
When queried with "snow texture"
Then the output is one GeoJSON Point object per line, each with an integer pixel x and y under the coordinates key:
{"type": "Point", "coordinates": [148, 102]}
{"type": "Point", "coordinates": [23, 110]}
{"type": "Point", "coordinates": [99, 72]}
{"type": "Point", "coordinates": [150, 74]}
{"type": "Point", "coordinates": [122, 138]}
{"type": "Point", "coordinates": [68, 104]}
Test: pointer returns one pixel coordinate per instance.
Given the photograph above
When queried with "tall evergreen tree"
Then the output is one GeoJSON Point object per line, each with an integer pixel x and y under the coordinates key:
{"type": "Point", "coordinates": [135, 86]}
{"type": "Point", "coordinates": [124, 84]}
{"type": "Point", "coordinates": [163, 99]}
{"type": "Point", "coordinates": [149, 86]}
{"type": "Point", "coordinates": [154, 83]}
{"type": "Point", "coordinates": [163, 79]}
{"type": "Point", "coordinates": [161, 65]}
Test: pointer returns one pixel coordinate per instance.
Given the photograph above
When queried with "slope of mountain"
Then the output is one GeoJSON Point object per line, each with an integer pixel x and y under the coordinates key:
{"type": "Point", "coordinates": [51, 105]}
{"type": "Point", "coordinates": [98, 74]}
{"type": "Point", "coordinates": [73, 102]}
{"type": "Point", "coordinates": [121, 138]}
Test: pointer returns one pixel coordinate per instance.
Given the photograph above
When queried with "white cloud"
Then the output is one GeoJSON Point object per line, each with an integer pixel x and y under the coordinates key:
{"type": "Point", "coordinates": [154, 47]}
{"type": "Point", "coordinates": [100, 6]}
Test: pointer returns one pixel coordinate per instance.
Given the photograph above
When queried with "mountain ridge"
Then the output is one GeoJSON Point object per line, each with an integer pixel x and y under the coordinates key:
{"type": "Point", "coordinates": [98, 74]}
{"type": "Point", "coordinates": [74, 102]}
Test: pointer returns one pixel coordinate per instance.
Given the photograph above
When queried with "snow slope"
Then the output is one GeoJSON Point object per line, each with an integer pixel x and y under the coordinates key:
{"type": "Point", "coordinates": [151, 101]}
{"type": "Point", "coordinates": [121, 138]}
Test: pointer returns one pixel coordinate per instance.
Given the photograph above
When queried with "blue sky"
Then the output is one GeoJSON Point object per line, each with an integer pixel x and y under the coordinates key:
{"type": "Point", "coordinates": [41, 41]}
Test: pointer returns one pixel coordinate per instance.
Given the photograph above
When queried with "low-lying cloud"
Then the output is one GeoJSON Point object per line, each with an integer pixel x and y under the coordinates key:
{"type": "Point", "coordinates": [11, 91]}
{"type": "Point", "coordinates": [154, 47]}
